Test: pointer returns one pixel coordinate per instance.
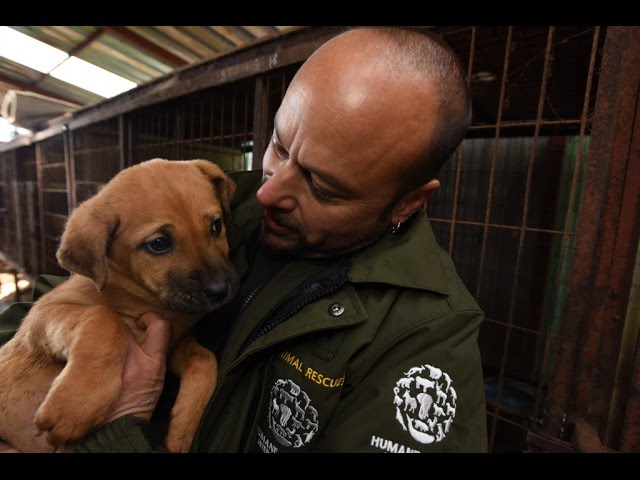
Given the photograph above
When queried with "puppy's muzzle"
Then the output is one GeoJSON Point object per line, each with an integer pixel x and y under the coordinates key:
{"type": "Point", "coordinates": [216, 290]}
{"type": "Point", "coordinates": [201, 291]}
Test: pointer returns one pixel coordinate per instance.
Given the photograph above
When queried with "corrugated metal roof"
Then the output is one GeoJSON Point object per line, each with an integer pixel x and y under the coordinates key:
{"type": "Point", "coordinates": [137, 53]}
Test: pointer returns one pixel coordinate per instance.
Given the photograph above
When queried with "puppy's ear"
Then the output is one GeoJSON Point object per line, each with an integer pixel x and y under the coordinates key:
{"type": "Point", "coordinates": [86, 238]}
{"type": "Point", "coordinates": [225, 187]}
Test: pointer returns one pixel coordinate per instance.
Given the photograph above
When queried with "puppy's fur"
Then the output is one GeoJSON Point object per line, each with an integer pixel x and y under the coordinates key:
{"type": "Point", "coordinates": [152, 240]}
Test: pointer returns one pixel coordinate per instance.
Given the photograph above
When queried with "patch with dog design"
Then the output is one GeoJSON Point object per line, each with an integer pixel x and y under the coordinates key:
{"type": "Point", "coordinates": [425, 402]}
{"type": "Point", "coordinates": [292, 419]}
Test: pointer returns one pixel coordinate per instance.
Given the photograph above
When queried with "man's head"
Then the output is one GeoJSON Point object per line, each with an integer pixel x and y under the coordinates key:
{"type": "Point", "coordinates": [366, 123]}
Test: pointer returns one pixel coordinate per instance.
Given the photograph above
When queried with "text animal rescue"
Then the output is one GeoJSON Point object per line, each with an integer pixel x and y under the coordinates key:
{"type": "Point", "coordinates": [310, 373]}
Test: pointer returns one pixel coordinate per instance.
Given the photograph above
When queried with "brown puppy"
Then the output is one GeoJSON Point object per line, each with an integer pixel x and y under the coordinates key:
{"type": "Point", "coordinates": [152, 240]}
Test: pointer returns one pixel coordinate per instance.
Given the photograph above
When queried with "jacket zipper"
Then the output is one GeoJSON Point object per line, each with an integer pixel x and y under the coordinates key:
{"type": "Point", "coordinates": [313, 289]}
{"type": "Point", "coordinates": [249, 297]}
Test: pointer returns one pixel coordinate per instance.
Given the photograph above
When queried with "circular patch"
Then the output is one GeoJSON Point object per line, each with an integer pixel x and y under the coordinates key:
{"type": "Point", "coordinates": [425, 402]}
{"type": "Point", "coordinates": [292, 419]}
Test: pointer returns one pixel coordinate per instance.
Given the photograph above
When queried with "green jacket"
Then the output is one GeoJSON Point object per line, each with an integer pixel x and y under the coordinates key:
{"type": "Point", "coordinates": [373, 353]}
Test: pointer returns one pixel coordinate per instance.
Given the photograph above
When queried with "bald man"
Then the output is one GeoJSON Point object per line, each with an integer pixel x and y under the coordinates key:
{"type": "Point", "coordinates": [352, 331]}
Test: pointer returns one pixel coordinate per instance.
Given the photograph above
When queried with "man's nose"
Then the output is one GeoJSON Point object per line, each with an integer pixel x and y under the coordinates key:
{"type": "Point", "coordinates": [280, 187]}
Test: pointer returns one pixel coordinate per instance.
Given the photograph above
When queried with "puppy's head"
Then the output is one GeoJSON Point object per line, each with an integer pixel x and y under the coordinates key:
{"type": "Point", "coordinates": [161, 225]}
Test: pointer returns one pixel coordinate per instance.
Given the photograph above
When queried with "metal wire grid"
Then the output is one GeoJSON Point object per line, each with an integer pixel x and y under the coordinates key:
{"type": "Point", "coordinates": [8, 232]}
{"type": "Point", "coordinates": [52, 172]}
{"type": "Point", "coordinates": [28, 208]}
{"type": "Point", "coordinates": [96, 158]}
{"type": "Point", "coordinates": [215, 124]}
{"type": "Point", "coordinates": [507, 208]}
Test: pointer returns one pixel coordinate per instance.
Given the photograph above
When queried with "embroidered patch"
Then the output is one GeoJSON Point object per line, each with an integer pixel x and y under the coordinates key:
{"type": "Point", "coordinates": [292, 419]}
{"type": "Point", "coordinates": [425, 402]}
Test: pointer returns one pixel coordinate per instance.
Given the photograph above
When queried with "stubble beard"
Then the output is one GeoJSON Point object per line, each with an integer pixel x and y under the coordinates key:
{"type": "Point", "coordinates": [298, 245]}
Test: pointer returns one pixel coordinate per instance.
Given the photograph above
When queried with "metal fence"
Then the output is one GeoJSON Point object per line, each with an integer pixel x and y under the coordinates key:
{"type": "Point", "coordinates": [507, 209]}
{"type": "Point", "coordinates": [54, 199]}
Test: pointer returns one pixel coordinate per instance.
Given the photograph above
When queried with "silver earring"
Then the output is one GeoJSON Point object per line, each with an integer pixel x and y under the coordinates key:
{"type": "Point", "coordinates": [396, 228]}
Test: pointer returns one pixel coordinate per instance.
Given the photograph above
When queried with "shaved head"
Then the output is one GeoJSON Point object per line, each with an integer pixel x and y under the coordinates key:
{"type": "Point", "coordinates": [415, 68]}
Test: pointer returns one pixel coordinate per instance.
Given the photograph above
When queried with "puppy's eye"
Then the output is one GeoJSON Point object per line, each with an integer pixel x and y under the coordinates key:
{"type": "Point", "coordinates": [216, 226]}
{"type": "Point", "coordinates": [158, 245]}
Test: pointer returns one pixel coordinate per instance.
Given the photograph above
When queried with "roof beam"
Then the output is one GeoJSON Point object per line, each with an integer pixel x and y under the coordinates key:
{"type": "Point", "coordinates": [75, 50]}
{"type": "Point", "coordinates": [34, 88]}
{"type": "Point", "coordinates": [87, 41]}
{"type": "Point", "coordinates": [125, 34]}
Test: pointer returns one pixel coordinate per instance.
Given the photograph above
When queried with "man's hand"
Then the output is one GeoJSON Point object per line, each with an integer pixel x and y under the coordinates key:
{"type": "Point", "coordinates": [143, 377]}
{"type": "Point", "coordinates": [144, 370]}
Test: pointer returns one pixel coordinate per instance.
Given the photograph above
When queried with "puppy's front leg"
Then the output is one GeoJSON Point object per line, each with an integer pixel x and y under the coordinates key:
{"type": "Point", "coordinates": [93, 341]}
{"type": "Point", "coordinates": [198, 371]}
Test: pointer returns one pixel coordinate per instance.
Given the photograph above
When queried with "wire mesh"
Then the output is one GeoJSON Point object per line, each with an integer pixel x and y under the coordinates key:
{"type": "Point", "coordinates": [509, 198]}
{"type": "Point", "coordinates": [213, 124]}
{"type": "Point", "coordinates": [54, 193]}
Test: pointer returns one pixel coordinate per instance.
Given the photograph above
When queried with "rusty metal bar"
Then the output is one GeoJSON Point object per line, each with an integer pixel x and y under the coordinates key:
{"type": "Point", "coordinates": [70, 170]}
{"type": "Point", "coordinates": [260, 120]}
{"type": "Point", "coordinates": [494, 157]}
{"type": "Point", "coordinates": [460, 156]}
{"type": "Point", "coordinates": [178, 133]}
{"type": "Point", "coordinates": [524, 123]}
{"type": "Point", "coordinates": [598, 285]}
{"type": "Point", "coordinates": [220, 144]}
{"type": "Point", "coordinates": [586, 439]}
{"type": "Point", "coordinates": [19, 218]}
{"type": "Point", "coordinates": [532, 156]}
{"type": "Point", "coordinates": [201, 137]}
{"type": "Point", "coordinates": [245, 130]}
{"type": "Point", "coordinates": [630, 437]}
{"type": "Point", "coordinates": [40, 183]}
{"type": "Point", "coordinates": [570, 213]}
{"type": "Point", "coordinates": [515, 327]}
{"type": "Point", "coordinates": [624, 411]}
{"type": "Point", "coordinates": [189, 119]}
{"type": "Point", "coordinates": [129, 143]}
{"type": "Point", "coordinates": [547, 443]}
{"type": "Point", "coordinates": [499, 225]}
{"type": "Point", "coordinates": [233, 119]}
{"type": "Point", "coordinates": [122, 143]}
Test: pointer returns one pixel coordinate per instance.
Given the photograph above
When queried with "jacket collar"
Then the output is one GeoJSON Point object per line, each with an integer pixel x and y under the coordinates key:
{"type": "Point", "coordinates": [411, 259]}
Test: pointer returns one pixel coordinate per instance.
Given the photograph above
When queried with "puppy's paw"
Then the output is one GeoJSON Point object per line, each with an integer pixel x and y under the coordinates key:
{"type": "Point", "coordinates": [60, 423]}
{"type": "Point", "coordinates": [69, 412]}
{"type": "Point", "coordinates": [178, 441]}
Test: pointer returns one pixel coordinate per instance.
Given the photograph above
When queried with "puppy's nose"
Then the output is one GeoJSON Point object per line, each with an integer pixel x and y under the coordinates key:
{"type": "Point", "coordinates": [216, 289]}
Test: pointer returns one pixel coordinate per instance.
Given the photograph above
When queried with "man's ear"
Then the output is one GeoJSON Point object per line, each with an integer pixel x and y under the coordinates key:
{"type": "Point", "coordinates": [86, 238]}
{"type": "Point", "coordinates": [225, 188]}
{"type": "Point", "coordinates": [414, 200]}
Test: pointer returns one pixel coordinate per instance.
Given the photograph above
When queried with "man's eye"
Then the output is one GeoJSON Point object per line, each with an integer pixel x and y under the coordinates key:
{"type": "Point", "coordinates": [280, 151]}
{"type": "Point", "coordinates": [320, 194]}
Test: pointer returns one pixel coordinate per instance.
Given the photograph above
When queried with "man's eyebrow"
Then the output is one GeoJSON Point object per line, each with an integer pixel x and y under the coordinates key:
{"type": "Point", "coordinates": [275, 136]}
{"type": "Point", "coordinates": [327, 177]}
{"type": "Point", "coordinates": [332, 181]}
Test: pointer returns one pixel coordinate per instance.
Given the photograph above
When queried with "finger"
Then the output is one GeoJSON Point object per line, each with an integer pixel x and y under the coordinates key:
{"type": "Point", "coordinates": [158, 333]}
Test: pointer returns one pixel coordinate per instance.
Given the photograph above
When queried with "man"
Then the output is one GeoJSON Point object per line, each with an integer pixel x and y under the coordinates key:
{"type": "Point", "coordinates": [352, 331]}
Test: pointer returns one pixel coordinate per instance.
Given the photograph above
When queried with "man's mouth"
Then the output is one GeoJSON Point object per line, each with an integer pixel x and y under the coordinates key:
{"type": "Point", "coordinates": [272, 224]}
